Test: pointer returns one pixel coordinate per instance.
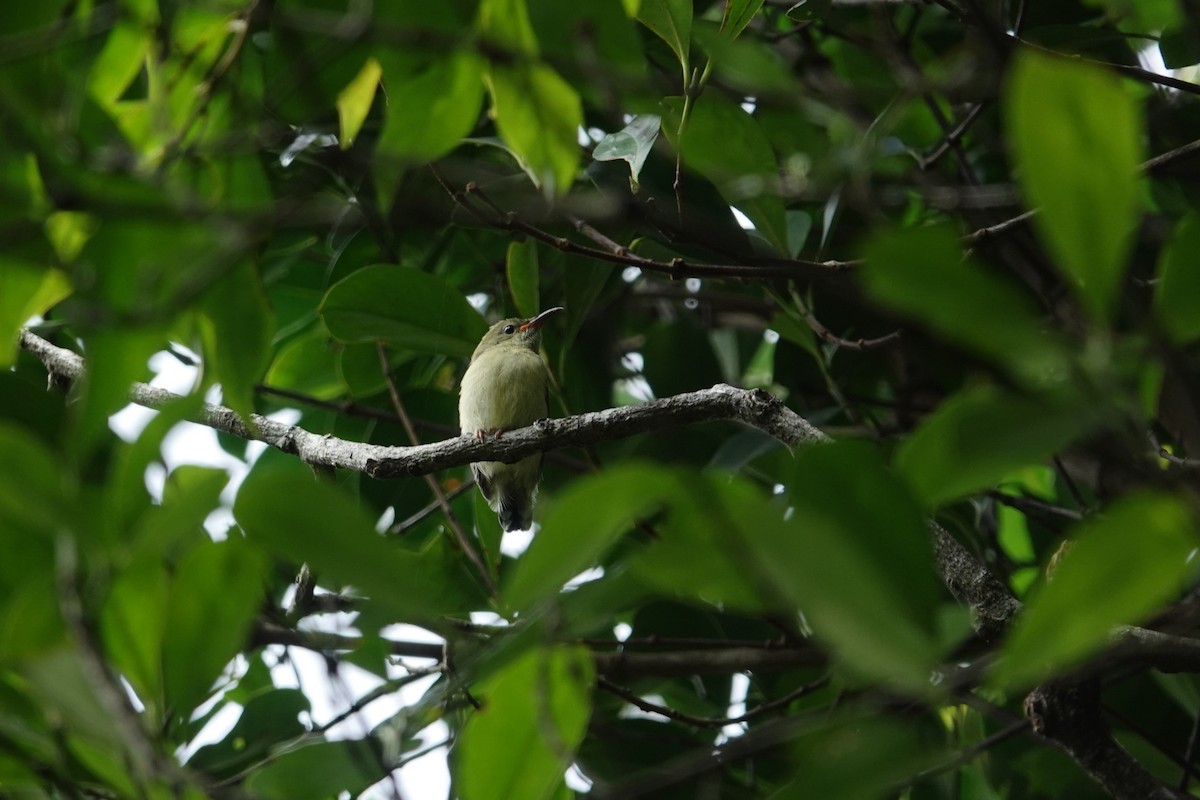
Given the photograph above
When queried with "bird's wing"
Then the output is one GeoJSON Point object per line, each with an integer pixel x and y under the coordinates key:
{"type": "Point", "coordinates": [482, 480]}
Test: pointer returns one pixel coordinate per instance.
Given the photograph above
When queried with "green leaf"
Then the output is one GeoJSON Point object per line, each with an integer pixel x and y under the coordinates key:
{"type": "Point", "coordinates": [534, 714]}
{"type": "Point", "coordinates": [1177, 301]}
{"type": "Point", "coordinates": [538, 115]}
{"type": "Point", "coordinates": [582, 524]}
{"type": "Point", "coordinates": [268, 719]}
{"type": "Point", "coordinates": [1120, 566]}
{"type": "Point", "coordinates": [116, 358]}
{"type": "Point", "coordinates": [405, 307]}
{"type": "Point", "coordinates": [671, 21]}
{"type": "Point", "coordinates": [982, 434]}
{"type": "Point", "coordinates": [585, 279]}
{"type": "Point", "coordinates": [123, 56]}
{"type": "Point", "coordinates": [215, 596]}
{"type": "Point", "coordinates": [429, 113]}
{"type": "Point", "coordinates": [726, 145]}
{"type": "Point", "coordinates": [738, 14]}
{"type": "Point", "coordinates": [354, 102]}
{"type": "Point", "coordinates": [238, 335]}
{"type": "Point", "coordinates": [854, 553]}
{"type": "Point", "coordinates": [632, 144]}
{"type": "Point", "coordinates": [921, 272]}
{"type": "Point", "coordinates": [322, 769]}
{"type": "Point", "coordinates": [133, 622]}
{"type": "Point", "coordinates": [507, 23]}
{"type": "Point", "coordinates": [1076, 138]}
{"type": "Point", "coordinates": [25, 290]}
{"type": "Point", "coordinates": [302, 520]}
{"type": "Point", "coordinates": [522, 269]}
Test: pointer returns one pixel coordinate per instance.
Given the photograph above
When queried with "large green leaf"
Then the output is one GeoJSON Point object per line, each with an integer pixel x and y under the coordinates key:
{"type": "Point", "coordinates": [1076, 136]}
{"type": "Point", "coordinates": [521, 267]}
{"type": "Point", "coordinates": [1177, 301]}
{"type": "Point", "coordinates": [852, 553]}
{"type": "Point", "coordinates": [302, 520]}
{"type": "Point", "coordinates": [238, 334]}
{"type": "Point", "coordinates": [534, 714]}
{"type": "Point", "coordinates": [671, 21]}
{"type": "Point", "coordinates": [405, 307]}
{"type": "Point", "coordinates": [582, 524]}
{"type": "Point", "coordinates": [215, 595]}
{"type": "Point", "coordinates": [1119, 567]}
{"type": "Point", "coordinates": [982, 434]}
{"type": "Point", "coordinates": [319, 769]}
{"type": "Point", "coordinates": [921, 273]}
{"type": "Point", "coordinates": [267, 719]}
{"type": "Point", "coordinates": [538, 115]}
{"type": "Point", "coordinates": [722, 142]}
{"type": "Point", "coordinates": [428, 114]}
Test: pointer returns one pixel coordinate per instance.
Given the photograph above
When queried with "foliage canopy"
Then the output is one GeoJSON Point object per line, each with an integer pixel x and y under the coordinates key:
{"type": "Point", "coordinates": [960, 237]}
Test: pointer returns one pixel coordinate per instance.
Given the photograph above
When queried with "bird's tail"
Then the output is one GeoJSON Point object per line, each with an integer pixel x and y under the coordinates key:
{"type": "Point", "coordinates": [515, 510]}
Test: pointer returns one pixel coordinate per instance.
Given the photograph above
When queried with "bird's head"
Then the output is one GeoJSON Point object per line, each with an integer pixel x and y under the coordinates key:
{"type": "Point", "coordinates": [515, 332]}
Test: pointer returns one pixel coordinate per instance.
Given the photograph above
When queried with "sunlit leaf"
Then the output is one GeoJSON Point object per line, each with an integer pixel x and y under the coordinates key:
{"type": "Point", "coordinates": [1119, 567]}
{"type": "Point", "coordinates": [354, 102]}
{"type": "Point", "coordinates": [533, 715]}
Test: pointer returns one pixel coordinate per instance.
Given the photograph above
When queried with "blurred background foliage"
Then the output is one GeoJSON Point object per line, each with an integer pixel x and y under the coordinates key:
{"type": "Point", "coordinates": [960, 236]}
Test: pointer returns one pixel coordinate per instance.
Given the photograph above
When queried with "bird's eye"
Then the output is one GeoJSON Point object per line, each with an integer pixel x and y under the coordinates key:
{"type": "Point", "coordinates": [510, 329]}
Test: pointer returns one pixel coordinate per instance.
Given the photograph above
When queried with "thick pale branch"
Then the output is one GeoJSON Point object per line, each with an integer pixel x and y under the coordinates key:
{"type": "Point", "coordinates": [967, 578]}
{"type": "Point", "coordinates": [753, 407]}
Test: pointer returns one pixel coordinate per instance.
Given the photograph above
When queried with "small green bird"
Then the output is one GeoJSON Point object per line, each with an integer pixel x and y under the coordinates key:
{"type": "Point", "coordinates": [505, 388]}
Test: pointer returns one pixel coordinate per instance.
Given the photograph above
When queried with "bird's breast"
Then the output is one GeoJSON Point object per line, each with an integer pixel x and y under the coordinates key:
{"type": "Point", "coordinates": [503, 388]}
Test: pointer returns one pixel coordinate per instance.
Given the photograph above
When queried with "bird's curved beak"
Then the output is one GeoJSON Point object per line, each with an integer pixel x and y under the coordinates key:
{"type": "Point", "coordinates": [536, 322]}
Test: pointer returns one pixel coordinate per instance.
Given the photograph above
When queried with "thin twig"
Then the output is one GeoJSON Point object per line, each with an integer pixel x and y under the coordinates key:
{"type": "Point", "coordinates": [710, 722]}
{"type": "Point", "coordinates": [439, 494]}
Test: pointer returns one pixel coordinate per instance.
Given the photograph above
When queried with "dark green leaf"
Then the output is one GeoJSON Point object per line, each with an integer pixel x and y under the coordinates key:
{"type": "Point", "coordinates": [405, 307]}
{"type": "Point", "coordinates": [982, 434]}
{"type": "Point", "coordinates": [321, 769]}
{"type": "Point", "coordinates": [1177, 301]}
{"type": "Point", "coordinates": [582, 524]}
{"type": "Point", "coordinates": [215, 596]}
{"type": "Point", "coordinates": [268, 719]}
{"type": "Point", "coordinates": [725, 144]}
{"type": "Point", "coordinates": [239, 336]}
{"type": "Point", "coordinates": [671, 21]}
{"type": "Point", "coordinates": [302, 520]}
{"type": "Point", "coordinates": [522, 269]}
{"type": "Point", "coordinates": [921, 272]}
{"type": "Point", "coordinates": [1076, 136]}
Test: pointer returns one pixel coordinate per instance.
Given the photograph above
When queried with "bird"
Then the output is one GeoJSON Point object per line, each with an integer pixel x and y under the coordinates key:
{"type": "Point", "coordinates": [505, 387]}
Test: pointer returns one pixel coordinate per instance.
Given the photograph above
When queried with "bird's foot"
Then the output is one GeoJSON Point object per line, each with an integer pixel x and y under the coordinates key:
{"type": "Point", "coordinates": [495, 433]}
